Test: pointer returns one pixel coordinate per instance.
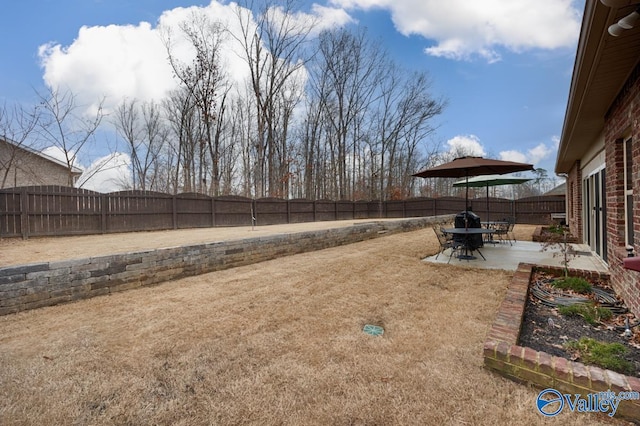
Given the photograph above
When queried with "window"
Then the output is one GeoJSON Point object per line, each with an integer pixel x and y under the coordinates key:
{"type": "Point", "coordinates": [628, 192]}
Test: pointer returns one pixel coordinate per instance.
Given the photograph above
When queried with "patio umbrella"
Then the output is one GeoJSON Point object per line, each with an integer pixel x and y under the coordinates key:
{"type": "Point", "coordinates": [489, 180]}
{"type": "Point", "coordinates": [463, 167]}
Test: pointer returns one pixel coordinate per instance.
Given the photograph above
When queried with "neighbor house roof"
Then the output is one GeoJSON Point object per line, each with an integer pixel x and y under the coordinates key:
{"type": "Point", "coordinates": [558, 190]}
{"type": "Point", "coordinates": [74, 170]}
{"type": "Point", "coordinates": [603, 64]}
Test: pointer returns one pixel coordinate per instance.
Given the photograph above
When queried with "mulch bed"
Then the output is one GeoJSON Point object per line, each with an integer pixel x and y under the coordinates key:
{"type": "Point", "coordinates": [545, 329]}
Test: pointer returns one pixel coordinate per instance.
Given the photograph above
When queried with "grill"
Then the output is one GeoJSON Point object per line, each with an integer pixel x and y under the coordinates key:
{"type": "Point", "coordinates": [472, 221]}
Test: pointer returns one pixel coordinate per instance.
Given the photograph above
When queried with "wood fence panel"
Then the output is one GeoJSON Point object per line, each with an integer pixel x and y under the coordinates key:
{"type": "Point", "coordinates": [234, 211]}
{"type": "Point", "coordinates": [59, 210]}
{"type": "Point", "coordinates": [361, 210]}
{"type": "Point", "coordinates": [450, 205]}
{"type": "Point", "coordinates": [10, 213]}
{"type": "Point", "coordinates": [301, 210]}
{"type": "Point", "coordinates": [395, 208]}
{"type": "Point", "coordinates": [325, 210]}
{"type": "Point", "coordinates": [537, 210]}
{"type": "Point", "coordinates": [375, 209]}
{"type": "Point", "coordinates": [344, 210]}
{"type": "Point", "coordinates": [55, 210]}
{"type": "Point", "coordinates": [418, 207]}
{"type": "Point", "coordinates": [272, 211]}
{"type": "Point", "coordinates": [129, 211]}
{"type": "Point", "coordinates": [194, 211]}
{"type": "Point", "coordinates": [498, 208]}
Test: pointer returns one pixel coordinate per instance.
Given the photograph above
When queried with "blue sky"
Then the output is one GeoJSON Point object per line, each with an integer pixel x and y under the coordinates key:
{"type": "Point", "coordinates": [504, 66]}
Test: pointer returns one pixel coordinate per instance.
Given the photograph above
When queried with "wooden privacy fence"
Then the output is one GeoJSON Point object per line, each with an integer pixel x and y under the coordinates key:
{"type": "Point", "coordinates": [55, 210]}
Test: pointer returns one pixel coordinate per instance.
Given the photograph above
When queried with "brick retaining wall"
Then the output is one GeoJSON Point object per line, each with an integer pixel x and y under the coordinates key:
{"type": "Point", "coordinates": [503, 355]}
{"type": "Point", "coordinates": [37, 285]}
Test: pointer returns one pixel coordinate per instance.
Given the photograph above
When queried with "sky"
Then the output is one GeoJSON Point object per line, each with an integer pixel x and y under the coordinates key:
{"type": "Point", "coordinates": [504, 67]}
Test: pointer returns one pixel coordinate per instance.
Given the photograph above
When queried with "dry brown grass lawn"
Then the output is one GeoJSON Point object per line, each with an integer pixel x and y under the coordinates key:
{"type": "Point", "coordinates": [279, 342]}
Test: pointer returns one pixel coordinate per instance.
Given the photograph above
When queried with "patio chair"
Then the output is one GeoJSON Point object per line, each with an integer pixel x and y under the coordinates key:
{"type": "Point", "coordinates": [501, 232]}
{"type": "Point", "coordinates": [511, 224]}
{"type": "Point", "coordinates": [446, 242]}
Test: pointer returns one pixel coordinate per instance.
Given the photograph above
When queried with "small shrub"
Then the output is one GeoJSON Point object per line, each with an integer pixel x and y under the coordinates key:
{"type": "Point", "coordinates": [557, 229]}
{"type": "Point", "coordinates": [605, 355]}
{"type": "Point", "coordinates": [591, 313]}
{"type": "Point", "coordinates": [577, 284]}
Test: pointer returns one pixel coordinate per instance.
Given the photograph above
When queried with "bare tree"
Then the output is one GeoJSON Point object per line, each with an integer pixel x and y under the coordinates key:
{"type": "Point", "coordinates": [202, 80]}
{"type": "Point", "coordinates": [180, 113]}
{"type": "Point", "coordinates": [350, 68]}
{"type": "Point", "coordinates": [65, 126]}
{"type": "Point", "coordinates": [274, 49]}
{"type": "Point", "coordinates": [142, 127]}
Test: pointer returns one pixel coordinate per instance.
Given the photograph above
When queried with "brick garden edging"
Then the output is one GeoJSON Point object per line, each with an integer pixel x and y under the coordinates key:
{"type": "Point", "coordinates": [503, 355]}
{"type": "Point", "coordinates": [31, 286]}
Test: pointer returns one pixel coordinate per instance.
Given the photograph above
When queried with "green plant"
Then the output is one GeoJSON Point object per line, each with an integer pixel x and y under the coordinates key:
{"type": "Point", "coordinates": [605, 355]}
{"type": "Point", "coordinates": [557, 229]}
{"type": "Point", "coordinates": [591, 313]}
{"type": "Point", "coordinates": [577, 284]}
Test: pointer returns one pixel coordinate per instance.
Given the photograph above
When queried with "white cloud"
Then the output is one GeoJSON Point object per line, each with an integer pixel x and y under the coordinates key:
{"type": "Point", "coordinates": [118, 61]}
{"type": "Point", "coordinates": [540, 152]}
{"type": "Point", "coordinates": [513, 155]}
{"type": "Point", "coordinates": [107, 174]}
{"type": "Point", "coordinates": [463, 29]}
{"type": "Point", "coordinates": [112, 62]}
{"type": "Point", "coordinates": [536, 155]}
{"type": "Point", "coordinates": [466, 145]}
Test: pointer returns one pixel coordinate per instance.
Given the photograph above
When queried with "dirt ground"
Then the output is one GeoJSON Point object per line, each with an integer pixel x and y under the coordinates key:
{"type": "Point", "coordinates": [14, 251]}
{"type": "Point", "coordinates": [274, 343]}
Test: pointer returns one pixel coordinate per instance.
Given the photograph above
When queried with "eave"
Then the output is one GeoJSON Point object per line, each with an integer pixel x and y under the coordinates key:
{"type": "Point", "coordinates": [603, 64]}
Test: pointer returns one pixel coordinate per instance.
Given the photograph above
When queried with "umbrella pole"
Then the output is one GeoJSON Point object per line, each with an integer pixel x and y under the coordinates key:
{"type": "Point", "coordinates": [466, 203]}
{"type": "Point", "coordinates": [488, 202]}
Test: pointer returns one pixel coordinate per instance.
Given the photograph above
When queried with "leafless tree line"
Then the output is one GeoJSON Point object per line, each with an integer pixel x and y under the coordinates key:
{"type": "Point", "coordinates": [320, 116]}
{"type": "Point", "coordinates": [323, 116]}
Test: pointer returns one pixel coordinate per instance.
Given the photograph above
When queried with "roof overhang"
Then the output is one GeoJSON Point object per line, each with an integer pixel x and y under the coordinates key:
{"type": "Point", "coordinates": [603, 64]}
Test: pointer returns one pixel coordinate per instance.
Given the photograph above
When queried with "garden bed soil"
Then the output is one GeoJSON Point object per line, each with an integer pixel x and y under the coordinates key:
{"type": "Point", "coordinates": [545, 329]}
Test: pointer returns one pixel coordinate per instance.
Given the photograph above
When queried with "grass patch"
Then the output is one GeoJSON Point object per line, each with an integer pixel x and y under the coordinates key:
{"type": "Point", "coordinates": [274, 343]}
{"type": "Point", "coordinates": [591, 313]}
{"type": "Point", "coordinates": [577, 284]}
{"type": "Point", "coordinates": [605, 355]}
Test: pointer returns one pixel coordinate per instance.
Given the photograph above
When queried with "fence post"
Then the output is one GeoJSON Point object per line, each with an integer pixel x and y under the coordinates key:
{"type": "Point", "coordinates": [254, 212]}
{"type": "Point", "coordinates": [174, 208]}
{"type": "Point", "coordinates": [103, 213]}
{"type": "Point", "coordinates": [213, 212]}
{"type": "Point", "coordinates": [24, 213]}
{"type": "Point", "coordinates": [288, 211]}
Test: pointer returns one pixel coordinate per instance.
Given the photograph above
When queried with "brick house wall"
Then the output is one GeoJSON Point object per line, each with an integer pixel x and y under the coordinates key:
{"type": "Point", "coordinates": [622, 121]}
{"type": "Point", "coordinates": [21, 167]}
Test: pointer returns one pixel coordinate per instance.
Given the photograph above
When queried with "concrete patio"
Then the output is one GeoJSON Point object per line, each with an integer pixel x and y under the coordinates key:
{"type": "Point", "coordinates": [507, 257]}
